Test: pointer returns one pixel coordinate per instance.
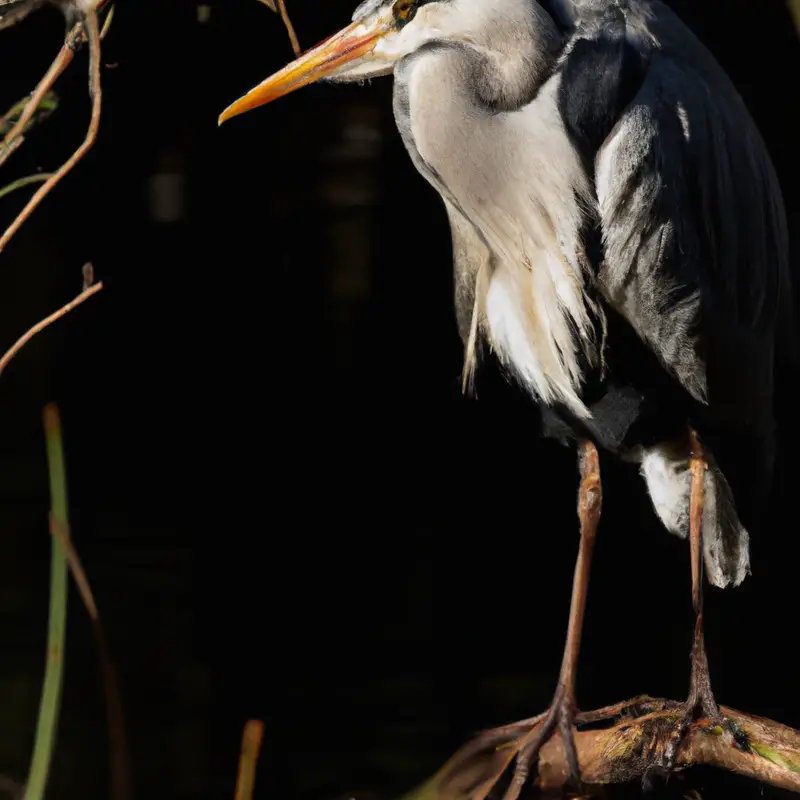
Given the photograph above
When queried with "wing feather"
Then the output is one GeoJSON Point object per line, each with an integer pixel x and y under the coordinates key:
{"type": "Point", "coordinates": [694, 248]}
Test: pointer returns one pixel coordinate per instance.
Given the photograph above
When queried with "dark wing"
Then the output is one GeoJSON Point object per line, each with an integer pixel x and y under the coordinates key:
{"type": "Point", "coordinates": [694, 251]}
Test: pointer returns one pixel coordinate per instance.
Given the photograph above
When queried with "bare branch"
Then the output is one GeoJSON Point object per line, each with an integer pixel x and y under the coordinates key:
{"type": "Point", "coordinates": [46, 107]}
{"type": "Point", "coordinates": [629, 747]}
{"type": "Point", "coordinates": [279, 7]}
{"type": "Point", "coordinates": [40, 326]}
{"type": "Point", "coordinates": [116, 723]}
{"type": "Point", "coordinates": [289, 27]}
{"type": "Point", "coordinates": [13, 126]}
{"type": "Point", "coordinates": [251, 744]}
{"type": "Point", "coordinates": [60, 63]}
{"type": "Point", "coordinates": [93, 33]}
{"type": "Point", "coordinates": [41, 102]}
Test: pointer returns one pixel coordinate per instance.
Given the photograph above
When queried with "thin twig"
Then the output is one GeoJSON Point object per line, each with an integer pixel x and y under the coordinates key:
{"type": "Point", "coordinates": [7, 149]}
{"type": "Point", "coordinates": [72, 43]}
{"type": "Point", "coordinates": [61, 532]}
{"type": "Point", "coordinates": [91, 134]}
{"type": "Point", "coordinates": [120, 773]}
{"type": "Point", "coordinates": [251, 745]}
{"type": "Point", "coordinates": [24, 114]}
{"type": "Point", "coordinates": [289, 27]}
{"type": "Point", "coordinates": [47, 106]}
{"type": "Point", "coordinates": [279, 7]}
{"type": "Point", "coordinates": [22, 182]}
{"type": "Point", "coordinates": [61, 62]}
{"type": "Point", "coordinates": [40, 326]}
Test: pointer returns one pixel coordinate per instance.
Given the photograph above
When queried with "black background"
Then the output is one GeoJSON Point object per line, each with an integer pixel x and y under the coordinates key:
{"type": "Point", "coordinates": [284, 506]}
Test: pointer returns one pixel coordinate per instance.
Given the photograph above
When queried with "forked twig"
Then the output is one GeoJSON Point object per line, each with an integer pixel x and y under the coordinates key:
{"type": "Point", "coordinates": [60, 63]}
{"type": "Point", "coordinates": [84, 31]}
{"type": "Point", "coordinates": [93, 34]}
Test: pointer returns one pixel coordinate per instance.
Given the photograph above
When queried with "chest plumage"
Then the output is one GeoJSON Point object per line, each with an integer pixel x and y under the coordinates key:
{"type": "Point", "coordinates": [529, 298]}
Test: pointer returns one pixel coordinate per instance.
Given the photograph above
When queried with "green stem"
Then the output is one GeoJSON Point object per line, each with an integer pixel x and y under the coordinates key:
{"type": "Point", "coordinates": [53, 678]}
{"type": "Point", "coordinates": [18, 184]}
{"type": "Point", "coordinates": [107, 24]}
{"type": "Point", "coordinates": [44, 109]}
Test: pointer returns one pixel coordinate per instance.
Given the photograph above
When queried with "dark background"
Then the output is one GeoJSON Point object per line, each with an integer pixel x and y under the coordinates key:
{"type": "Point", "coordinates": [284, 506]}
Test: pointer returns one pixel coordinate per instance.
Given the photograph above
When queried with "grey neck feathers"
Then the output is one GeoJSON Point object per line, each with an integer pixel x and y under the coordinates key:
{"type": "Point", "coordinates": [514, 58]}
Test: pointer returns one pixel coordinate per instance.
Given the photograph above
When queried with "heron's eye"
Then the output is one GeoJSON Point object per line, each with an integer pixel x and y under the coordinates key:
{"type": "Point", "coordinates": [404, 12]}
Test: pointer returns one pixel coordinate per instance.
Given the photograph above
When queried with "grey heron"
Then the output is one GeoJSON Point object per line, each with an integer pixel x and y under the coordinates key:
{"type": "Point", "coordinates": [620, 247]}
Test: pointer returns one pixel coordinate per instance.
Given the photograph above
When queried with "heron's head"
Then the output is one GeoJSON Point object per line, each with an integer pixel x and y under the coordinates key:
{"type": "Point", "coordinates": [385, 31]}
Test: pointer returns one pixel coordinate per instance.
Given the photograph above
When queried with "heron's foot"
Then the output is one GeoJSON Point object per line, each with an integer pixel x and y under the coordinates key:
{"type": "Point", "coordinates": [699, 713]}
{"type": "Point", "coordinates": [531, 736]}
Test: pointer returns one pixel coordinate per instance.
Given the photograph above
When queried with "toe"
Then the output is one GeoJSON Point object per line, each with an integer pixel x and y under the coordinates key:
{"type": "Point", "coordinates": [570, 751]}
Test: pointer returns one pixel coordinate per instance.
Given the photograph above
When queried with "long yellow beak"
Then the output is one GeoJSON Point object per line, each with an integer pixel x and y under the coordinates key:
{"type": "Point", "coordinates": [350, 43]}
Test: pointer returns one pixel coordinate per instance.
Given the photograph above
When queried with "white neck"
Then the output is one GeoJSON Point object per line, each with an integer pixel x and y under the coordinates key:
{"type": "Point", "coordinates": [524, 205]}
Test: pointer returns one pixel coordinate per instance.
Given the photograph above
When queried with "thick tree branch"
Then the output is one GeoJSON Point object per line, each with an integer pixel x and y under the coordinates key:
{"type": "Point", "coordinates": [628, 747]}
{"type": "Point", "coordinates": [625, 751]}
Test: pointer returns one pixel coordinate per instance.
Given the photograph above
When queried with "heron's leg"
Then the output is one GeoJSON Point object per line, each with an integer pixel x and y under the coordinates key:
{"type": "Point", "coordinates": [562, 712]}
{"type": "Point", "coordinates": [700, 695]}
{"type": "Point", "coordinates": [700, 705]}
{"type": "Point", "coordinates": [590, 497]}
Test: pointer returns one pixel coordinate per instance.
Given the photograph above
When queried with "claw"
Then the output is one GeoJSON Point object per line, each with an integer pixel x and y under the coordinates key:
{"type": "Point", "coordinates": [562, 717]}
{"type": "Point", "coordinates": [671, 745]}
{"type": "Point", "coordinates": [529, 752]}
